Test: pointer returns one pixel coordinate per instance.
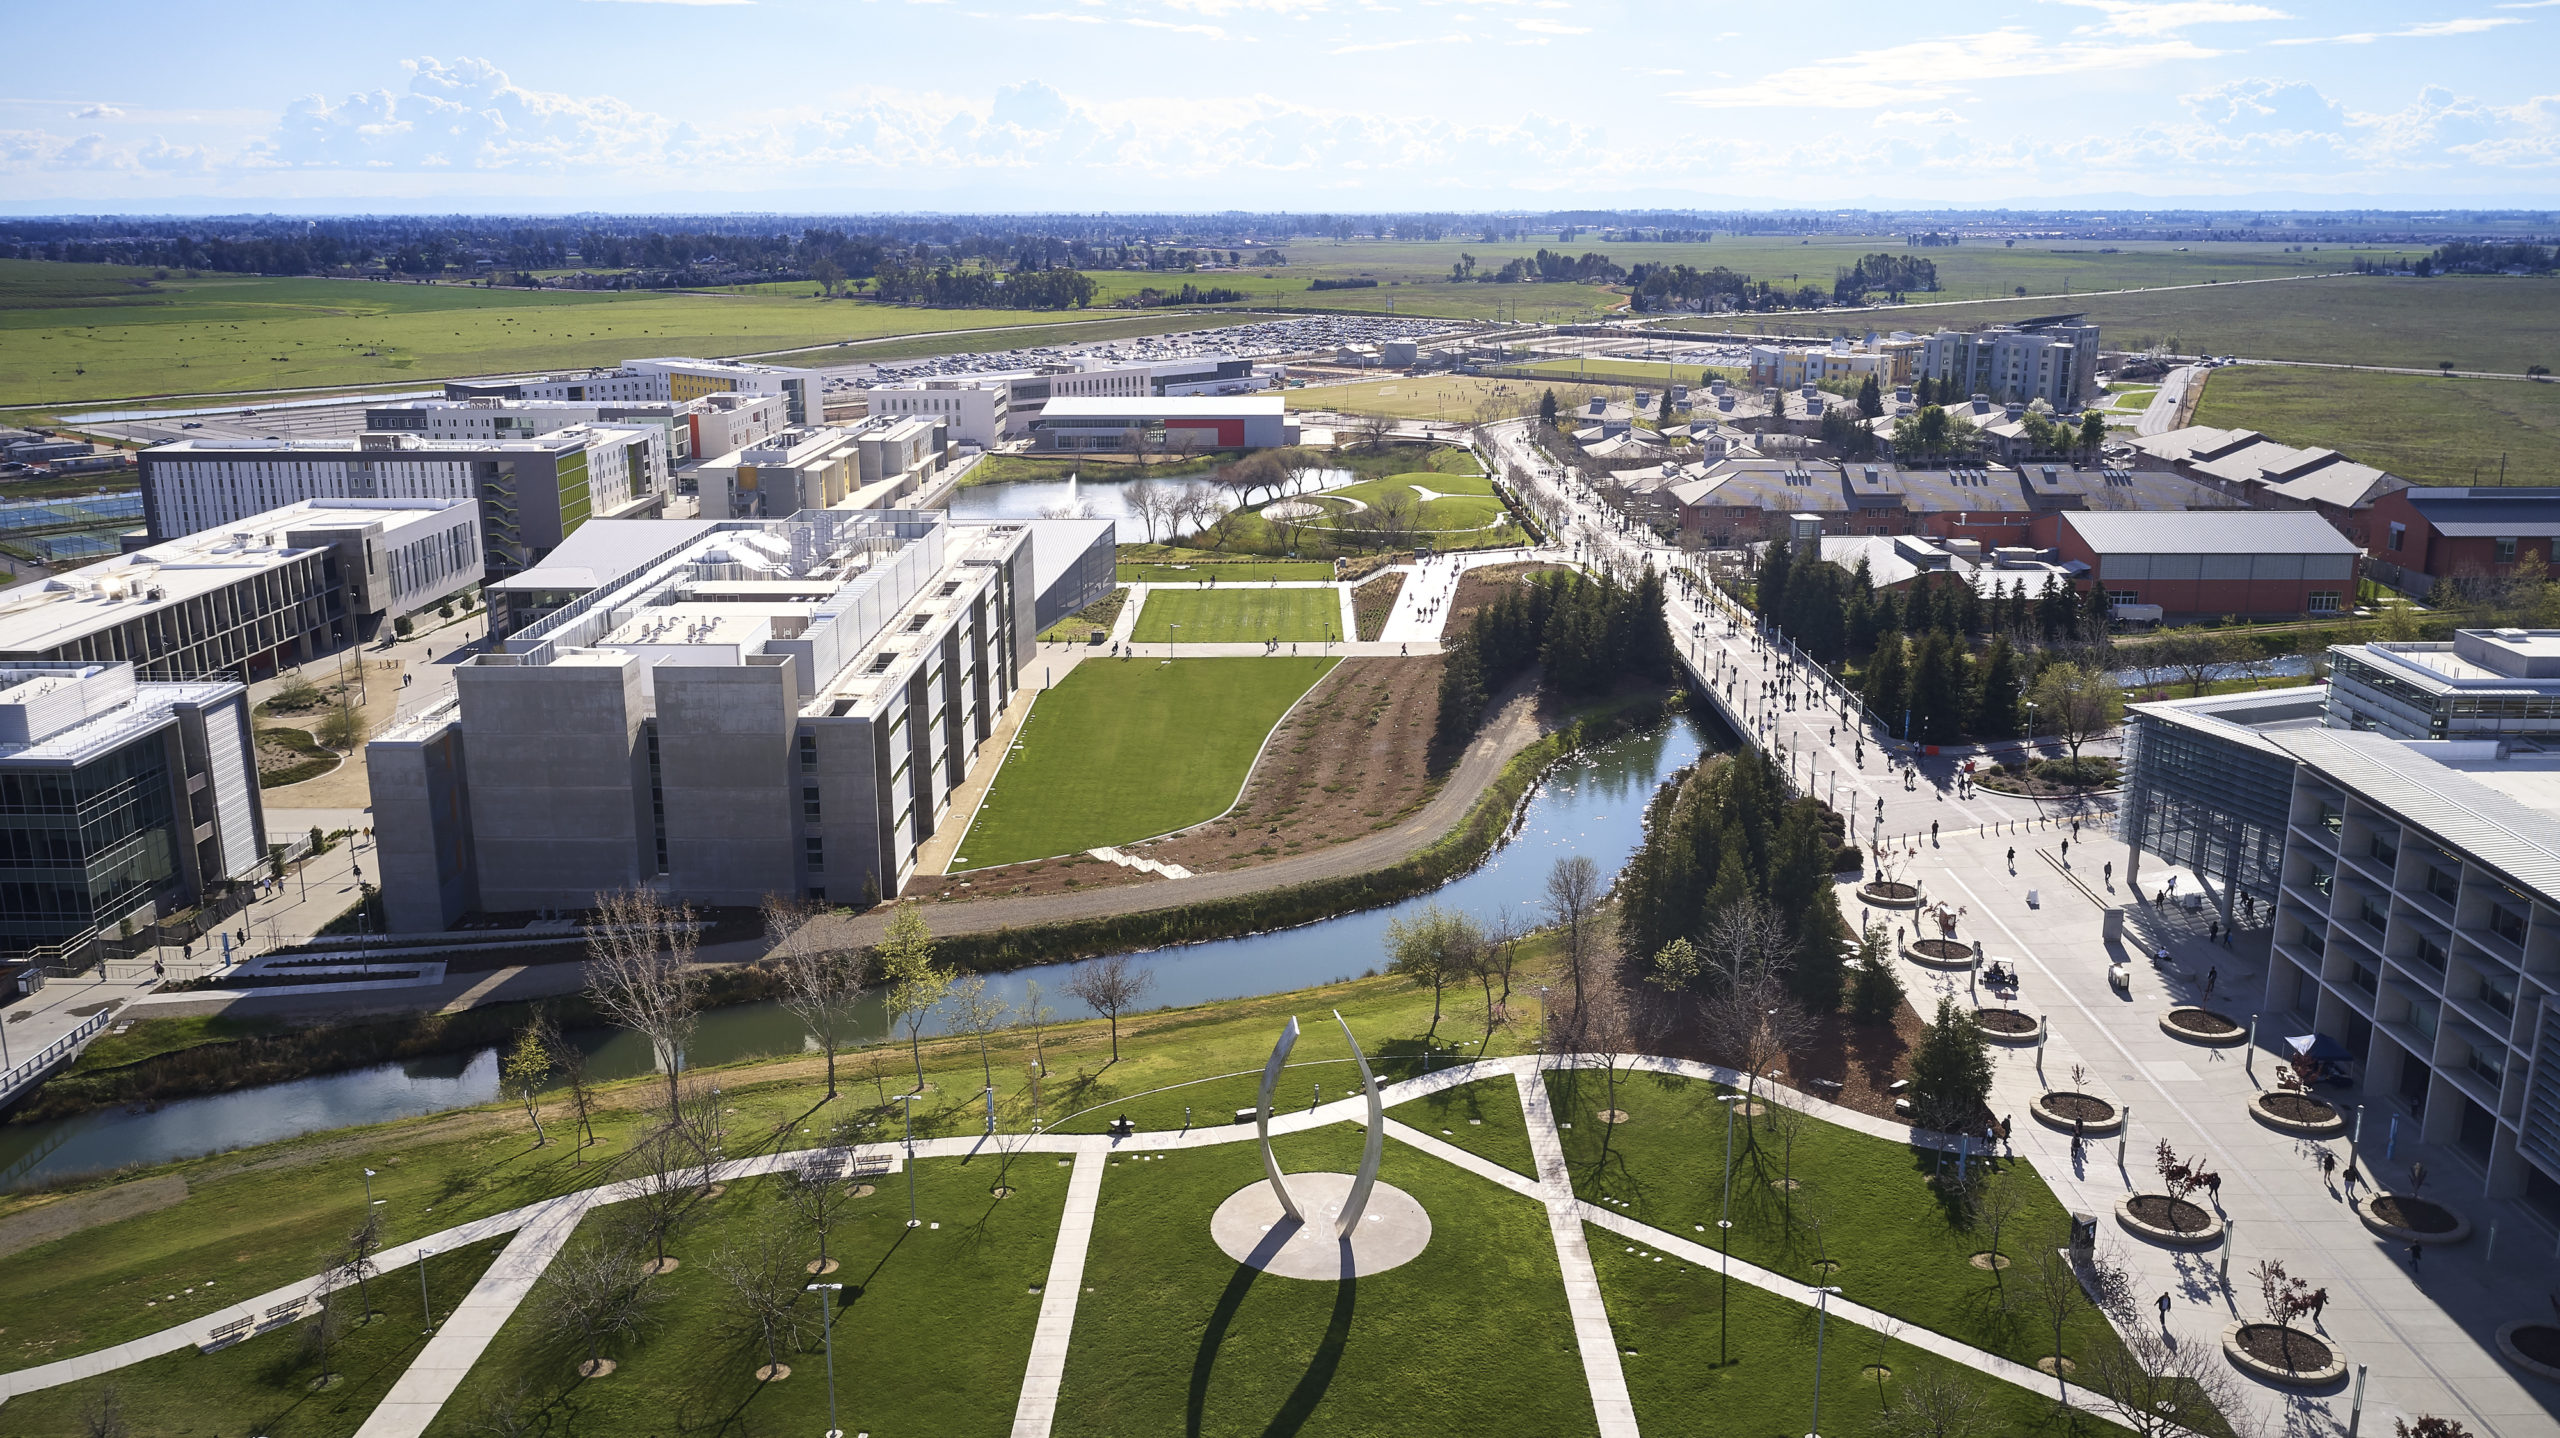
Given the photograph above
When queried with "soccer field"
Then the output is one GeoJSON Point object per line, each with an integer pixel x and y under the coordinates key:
{"type": "Point", "coordinates": [1242, 615]}
{"type": "Point", "coordinates": [1123, 750]}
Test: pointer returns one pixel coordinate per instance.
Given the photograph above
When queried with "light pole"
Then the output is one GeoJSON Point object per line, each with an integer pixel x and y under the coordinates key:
{"type": "Point", "coordinates": [827, 1323]}
{"type": "Point", "coordinates": [1173, 646]}
{"type": "Point", "coordinates": [1724, 1233]}
{"type": "Point", "coordinates": [369, 1199]}
{"type": "Point", "coordinates": [1821, 1322]}
{"type": "Point", "coordinates": [425, 1305]}
{"type": "Point", "coordinates": [909, 1100]}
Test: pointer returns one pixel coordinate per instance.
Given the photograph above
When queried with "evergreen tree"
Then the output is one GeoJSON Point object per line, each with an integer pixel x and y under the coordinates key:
{"type": "Point", "coordinates": [2057, 613]}
{"type": "Point", "coordinates": [1875, 991]}
{"type": "Point", "coordinates": [1950, 1071]}
{"type": "Point", "coordinates": [1871, 399]}
{"type": "Point", "coordinates": [1462, 699]}
{"type": "Point", "coordinates": [1887, 686]}
{"type": "Point", "coordinates": [1800, 890]}
{"type": "Point", "coordinates": [1770, 590]}
{"type": "Point", "coordinates": [1995, 709]}
{"type": "Point", "coordinates": [1547, 408]}
{"type": "Point", "coordinates": [2098, 615]}
{"type": "Point", "coordinates": [1933, 690]}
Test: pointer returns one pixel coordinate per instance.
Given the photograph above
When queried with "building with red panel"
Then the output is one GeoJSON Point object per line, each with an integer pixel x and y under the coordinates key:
{"type": "Point", "coordinates": [1175, 423]}
{"type": "Point", "coordinates": [2255, 563]}
{"type": "Point", "coordinates": [2462, 532]}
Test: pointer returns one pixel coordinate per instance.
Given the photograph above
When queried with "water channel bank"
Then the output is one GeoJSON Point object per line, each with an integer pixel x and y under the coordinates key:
{"type": "Point", "coordinates": [1589, 802]}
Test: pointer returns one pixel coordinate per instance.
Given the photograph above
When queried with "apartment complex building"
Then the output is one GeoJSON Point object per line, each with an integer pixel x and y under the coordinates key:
{"type": "Point", "coordinates": [268, 592]}
{"type": "Point", "coordinates": [2054, 359]}
{"type": "Point", "coordinates": [532, 493]}
{"type": "Point", "coordinates": [1889, 360]}
{"type": "Point", "coordinates": [802, 391]}
{"type": "Point", "coordinates": [770, 706]}
{"type": "Point", "coordinates": [119, 800]}
{"type": "Point", "coordinates": [877, 463]}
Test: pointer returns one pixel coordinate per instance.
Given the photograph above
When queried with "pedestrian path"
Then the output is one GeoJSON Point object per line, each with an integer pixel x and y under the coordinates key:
{"type": "Point", "coordinates": [1591, 1333]}
{"type": "Point", "coordinates": [465, 1334]}
{"type": "Point", "coordinates": [1041, 1381]}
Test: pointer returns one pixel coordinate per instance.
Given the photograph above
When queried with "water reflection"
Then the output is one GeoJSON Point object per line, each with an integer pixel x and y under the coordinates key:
{"type": "Point", "coordinates": [1593, 804]}
{"type": "Point", "coordinates": [1083, 497]}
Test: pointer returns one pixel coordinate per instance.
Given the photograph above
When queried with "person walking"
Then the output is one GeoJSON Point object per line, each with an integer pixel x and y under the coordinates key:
{"type": "Point", "coordinates": [2164, 1312]}
{"type": "Point", "coordinates": [2414, 1252]}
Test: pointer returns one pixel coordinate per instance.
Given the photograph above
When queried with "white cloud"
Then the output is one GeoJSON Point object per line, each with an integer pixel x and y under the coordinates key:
{"type": "Point", "coordinates": [97, 112]}
{"type": "Point", "coordinates": [1374, 46]}
{"type": "Point", "coordinates": [1212, 31]}
{"type": "Point", "coordinates": [1914, 119]}
{"type": "Point", "coordinates": [1931, 70]}
{"type": "Point", "coordinates": [2163, 17]}
{"type": "Point", "coordinates": [1549, 27]}
{"type": "Point", "coordinates": [2429, 30]}
{"type": "Point", "coordinates": [1656, 72]}
{"type": "Point", "coordinates": [1065, 17]}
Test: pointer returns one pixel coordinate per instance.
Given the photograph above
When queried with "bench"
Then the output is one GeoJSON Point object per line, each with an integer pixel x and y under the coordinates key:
{"type": "Point", "coordinates": [868, 1165]}
{"type": "Point", "coordinates": [228, 1334]}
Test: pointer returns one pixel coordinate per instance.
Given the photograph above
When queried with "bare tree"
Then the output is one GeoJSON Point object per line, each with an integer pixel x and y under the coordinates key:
{"type": "Point", "coordinates": [816, 1196]}
{"type": "Point", "coordinates": [1502, 937]}
{"type": "Point", "coordinates": [599, 1290]}
{"type": "Point", "coordinates": [639, 960]}
{"type": "Point", "coordinates": [672, 1153]}
{"type": "Point", "coordinates": [2053, 1290]}
{"type": "Point", "coordinates": [1752, 1022]}
{"type": "Point", "coordinates": [2161, 1389]}
{"type": "Point", "coordinates": [502, 1411]}
{"type": "Point", "coordinates": [1997, 1199]}
{"type": "Point", "coordinates": [1573, 892]}
{"type": "Point", "coordinates": [103, 1415]}
{"type": "Point", "coordinates": [1372, 431]}
{"type": "Point", "coordinates": [978, 1012]}
{"type": "Point", "coordinates": [763, 1283]}
{"type": "Point", "coordinates": [2077, 702]}
{"type": "Point", "coordinates": [1147, 500]}
{"type": "Point", "coordinates": [1110, 987]}
{"type": "Point", "coordinates": [527, 1065]}
{"type": "Point", "coordinates": [820, 986]}
{"type": "Point", "coordinates": [1937, 1402]}
{"type": "Point", "coordinates": [1748, 940]}
{"type": "Point", "coordinates": [1036, 1016]}
{"type": "Point", "coordinates": [571, 1062]}
{"type": "Point", "coordinates": [320, 1335]}
{"type": "Point", "coordinates": [356, 1262]}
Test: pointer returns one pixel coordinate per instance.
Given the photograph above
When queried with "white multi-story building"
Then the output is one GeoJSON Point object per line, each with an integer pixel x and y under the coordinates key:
{"type": "Point", "coordinates": [803, 391]}
{"type": "Point", "coordinates": [975, 408]}
{"type": "Point", "coordinates": [532, 492]}
{"type": "Point", "coordinates": [2052, 360]}
{"type": "Point", "coordinates": [880, 463]}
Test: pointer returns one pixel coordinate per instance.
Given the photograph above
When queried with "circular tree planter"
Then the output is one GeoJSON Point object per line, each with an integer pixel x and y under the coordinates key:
{"type": "Point", "coordinates": [1890, 894]}
{"type": "Point", "coordinates": [2007, 1026]}
{"type": "Point", "coordinates": [596, 1367]}
{"type": "Point", "coordinates": [1939, 953]}
{"type": "Point", "coordinates": [2282, 1355]}
{"type": "Point", "coordinates": [2162, 1219]}
{"type": "Point", "coordinates": [2406, 1218]}
{"type": "Point", "coordinates": [2533, 1347]}
{"type": "Point", "coordinates": [2204, 1026]}
{"type": "Point", "coordinates": [2298, 1114]}
{"type": "Point", "coordinates": [2096, 1117]}
{"type": "Point", "coordinates": [773, 1372]}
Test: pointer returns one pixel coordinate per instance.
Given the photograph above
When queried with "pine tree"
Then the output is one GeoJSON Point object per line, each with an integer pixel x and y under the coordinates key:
{"type": "Point", "coordinates": [1950, 1070]}
{"type": "Point", "coordinates": [1871, 399]}
{"type": "Point", "coordinates": [1462, 699]}
{"type": "Point", "coordinates": [1995, 709]}
{"type": "Point", "coordinates": [1547, 408]}
{"type": "Point", "coordinates": [1875, 991]}
{"type": "Point", "coordinates": [1770, 590]}
{"type": "Point", "coordinates": [1887, 686]}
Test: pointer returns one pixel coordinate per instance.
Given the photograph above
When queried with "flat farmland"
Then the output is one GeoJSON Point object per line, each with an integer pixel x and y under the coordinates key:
{"type": "Point", "coordinates": [1449, 397]}
{"type": "Point", "coordinates": [2432, 431]}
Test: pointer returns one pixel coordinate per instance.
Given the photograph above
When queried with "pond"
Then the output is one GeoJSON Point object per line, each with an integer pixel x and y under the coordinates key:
{"type": "Point", "coordinates": [1079, 498]}
{"type": "Point", "coordinates": [1592, 804]}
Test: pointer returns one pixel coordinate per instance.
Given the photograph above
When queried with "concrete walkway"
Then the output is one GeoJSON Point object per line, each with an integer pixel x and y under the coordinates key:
{"type": "Point", "coordinates": [1046, 1375]}
{"type": "Point", "coordinates": [1600, 1366]}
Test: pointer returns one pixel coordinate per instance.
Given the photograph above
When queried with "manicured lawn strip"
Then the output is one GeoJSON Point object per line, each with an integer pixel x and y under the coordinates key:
{"type": "Point", "coordinates": [936, 1342]}
{"type": "Point", "coordinates": [1234, 571]}
{"type": "Point", "coordinates": [1442, 483]}
{"type": "Point", "coordinates": [1120, 752]}
{"type": "Point", "coordinates": [1242, 615]}
{"type": "Point", "coordinates": [261, 1217]}
{"type": "Point", "coordinates": [263, 1385]}
{"type": "Point", "coordinates": [2430, 431]}
{"type": "Point", "coordinates": [1483, 1117]}
{"type": "Point", "coordinates": [1666, 1318]}
{"type": "Point", "coordinates": [1077, 628]}
{"type": "Point", "coordinates": [1436, 397]}
{"type": "Point", "coordinates": [1880, 1218]}
{"type": "Point", "coordinates": [1472, 1336]}
{"type": "Point", "coordinates": [1463, 511]}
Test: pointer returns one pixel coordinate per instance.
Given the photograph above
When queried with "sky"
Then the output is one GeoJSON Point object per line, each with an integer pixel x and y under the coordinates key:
{"type": "Point", "coordinates": [550, 106]}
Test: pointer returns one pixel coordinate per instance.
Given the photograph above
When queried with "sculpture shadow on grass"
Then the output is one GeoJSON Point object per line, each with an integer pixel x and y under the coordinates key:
{"type": "Point", "coordinates": [1311, 1387]}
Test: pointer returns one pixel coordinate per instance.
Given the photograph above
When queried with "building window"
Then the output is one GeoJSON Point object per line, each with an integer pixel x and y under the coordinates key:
{"type": "Point", "coordinates": [808, 753]}
{"type": "Point", "coordinates": [2324, 601]}
{"type": "Point", "coordinates": [2399, 532]}
{"type": "Point", "coordinates": [817, 855]}
{"type": "Point", "coordinates": [2443, 885]}
{"type": "Point", "coordinates": [809, 805]}
{"type": "Point", "coordinates": [2506, 550]}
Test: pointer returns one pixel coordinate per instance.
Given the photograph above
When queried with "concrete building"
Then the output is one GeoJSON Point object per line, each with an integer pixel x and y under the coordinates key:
{"type": "Point", "coordinates": [775, 706]}
{"type": "Point", "coordinates": [975, 409]}
{"type": "Point", "coordinates": [2501, 684]}
{"type": "Point", "coordinates": [486, 421]}
{"type": "Point", "coordinates": [803, 391]}
{"type": "Point", "coordinates": [532, 493]}
{"type": "Point", "coordinates": [2054, 359]}
{"type": "Point", "coordinates": [1186, 423]}
{"type": "Point", "coordinates": [600, 552]}
{"type": "Point", "coordinates": [1074, 563]}
{"type": "Point", "coordinates": [270, 591]}
{"type": "Point", "coordinates": [2421, 535]}
{"type": "Point", "coordinates": [118, 800]}
{"type": "Point", "coordinates": [2252, 563]}
{"type": "Point", "coordinates": [2415, 892]}
{"type": "Point", "coordinates": [1898, 561]}
{"type": "Point", "coordinates": [875, 464]}
{"type": "Point", "coordinates": [1889, 360]}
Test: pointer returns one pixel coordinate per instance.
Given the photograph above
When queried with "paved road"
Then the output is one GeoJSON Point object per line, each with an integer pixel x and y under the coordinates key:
{"type": "Point", "coordinates": [2162, 416]}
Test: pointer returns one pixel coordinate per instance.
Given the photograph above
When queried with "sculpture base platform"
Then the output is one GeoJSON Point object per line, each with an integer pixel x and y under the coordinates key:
{"type": "Point", "coordinates": [1253, 1230]}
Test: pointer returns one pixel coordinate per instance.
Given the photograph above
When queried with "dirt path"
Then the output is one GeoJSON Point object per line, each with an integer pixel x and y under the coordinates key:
{"type": "Point", "coordinates": [1513, 728]}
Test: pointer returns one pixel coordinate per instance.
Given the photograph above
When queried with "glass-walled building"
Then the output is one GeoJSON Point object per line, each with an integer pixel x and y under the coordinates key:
{"type": "Point", "coordinates": [2487, 683]}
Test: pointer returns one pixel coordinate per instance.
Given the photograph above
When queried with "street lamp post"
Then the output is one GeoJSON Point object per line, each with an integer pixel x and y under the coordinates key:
{"type": "Point", "coordinates": [827, 1324]}
{"type": "Point", "coordinates": [909, 1100]}
{"type": "Point", "coordinates": [425, 1305]}
{"type": "Point", "coordinates": [1173, 646]}
{"type": "Point", "coordinates": [1821, 1322]}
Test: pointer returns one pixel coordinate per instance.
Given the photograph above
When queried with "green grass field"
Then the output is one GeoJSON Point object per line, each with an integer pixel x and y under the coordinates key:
{"type": "Point", "coordinates": [1638, 371]}
{"type": "Point", "coordinates": [2482, 322]}
{"type": "Point", "coordinates": [1465, 510]}
{"type": "Point", "coordinates": [264, 1384]}
{"type": "Point", "coordinates": [1225, 572]}
{"type": "Point", "coordinates": [909, 1358]}
{"type": "Point", "coordinates": [1242, 615]}
{"type": "Point", "coordinates": [1456, 398]}
{"type": "Point", "coordinates": [1125, 750]}
{"type": "Point", "coordinates": [1865, 1203]}
{"type": "Point", "coordinates": [2432, 431]}
{"type": "Point", "coordinates": [1174, 1337]}
{"type": "Point", "coordinates": [73, 334]}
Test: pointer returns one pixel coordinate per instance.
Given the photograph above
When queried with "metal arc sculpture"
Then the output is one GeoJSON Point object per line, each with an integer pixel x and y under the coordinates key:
{"type": "Point", "coordinates": [1358, 1200]}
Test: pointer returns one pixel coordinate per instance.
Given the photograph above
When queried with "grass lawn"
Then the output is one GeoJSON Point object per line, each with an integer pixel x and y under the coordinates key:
{"type": "Point", "coordinates": [1439, 396]}
{"type": "Point", "coordinates": [263, 1385]}
{"type": "Point", "coordinates": [1118, 752]}
{"type": "Point", "coordinates": [1242, 615]}
{"type": "Point", "coordinates": [1865, 1202]}
{"type": "Point", "coordinates": [935, 1341]}
{"type": "Point", "coordinates": [1462, 511]}
{"type": "Point", "coordinates": [1232, 571]}
{"type": "Point", "coordinates": [1442, 483]}
{"type": "Point", "coordinates": [1651, 372]}
{"type": "Point", "coordinates": [1175, 1337]}
{"type": "Point", "coordinates": [2431, 431]}
{"type": "Point", "coordinates": [1483, 1117]}
{"type": "Point", "coordinates": [1666, 1317]}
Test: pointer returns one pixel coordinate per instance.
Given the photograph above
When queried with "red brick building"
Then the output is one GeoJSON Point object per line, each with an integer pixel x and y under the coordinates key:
{"type": "Point", "coordinates": [2460, 532]}
{"type": "Point", "coordinates": [2259, 564]}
